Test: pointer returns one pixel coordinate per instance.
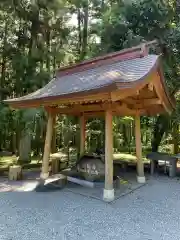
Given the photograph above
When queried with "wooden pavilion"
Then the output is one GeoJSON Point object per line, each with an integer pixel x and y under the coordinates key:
{"type": "Point", "coordinates": [125, 83]}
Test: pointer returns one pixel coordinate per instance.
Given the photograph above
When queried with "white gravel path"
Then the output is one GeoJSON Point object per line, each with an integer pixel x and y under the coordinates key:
{"type": "Point", "coordinates": [150, 213]}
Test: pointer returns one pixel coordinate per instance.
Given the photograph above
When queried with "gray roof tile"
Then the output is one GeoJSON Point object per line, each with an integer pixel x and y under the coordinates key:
{"type": "Point", "coordinates": [127, 71]}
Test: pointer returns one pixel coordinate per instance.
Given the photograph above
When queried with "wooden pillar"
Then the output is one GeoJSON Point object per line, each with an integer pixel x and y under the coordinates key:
{"type": "Point", "coordinates": [108, 190]}
{"type": "Point", "coordinates": [140, 164]}
{"type": "Point", "coordinates": [47, 148]}
{"type": "Point", "coordinates": [82, 134]}
{"type": "Point", "coordinates": [54, 135]}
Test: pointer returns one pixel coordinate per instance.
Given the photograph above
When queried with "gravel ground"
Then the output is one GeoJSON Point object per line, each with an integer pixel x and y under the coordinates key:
{"type": "Point", "coordinates": [151, 212]}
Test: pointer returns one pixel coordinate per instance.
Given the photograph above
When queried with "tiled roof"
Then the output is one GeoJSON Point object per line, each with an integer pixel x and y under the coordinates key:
{"type": "Point", "coordinates": [122, 72]}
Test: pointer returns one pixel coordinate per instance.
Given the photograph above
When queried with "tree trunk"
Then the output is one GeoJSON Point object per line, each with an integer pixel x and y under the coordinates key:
{"type": "Point", "coordinates": [48, 62]}
{"type": "Point", "coordinates": [37, 140]}
{"type": "Point", "coordinates": [79, 31]}
{"type": "Point", "coordinates": [25, 147]}
{"type": "Point", "coordinates": [85, 30]}
{"type": "Point", "coordinates": [125, 138]}
{"type": "Point", "coordinates": [3, 63]}
{"type": "Point", "coordinates": [175, 136]}
{"type": "Point", "coordinates": [161, 125]}
{"type": "Point", "coordinates": [13, 143]}
{"type": "Point", "coordinates": [53, 147]}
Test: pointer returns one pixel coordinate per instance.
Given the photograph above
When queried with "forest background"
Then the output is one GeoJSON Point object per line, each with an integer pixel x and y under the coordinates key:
{"type": "Point", "coordinates": [39, 36]}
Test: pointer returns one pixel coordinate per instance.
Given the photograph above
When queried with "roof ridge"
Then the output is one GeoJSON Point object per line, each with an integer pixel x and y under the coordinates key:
{"type": "Point", "coordinates": [125, 54]}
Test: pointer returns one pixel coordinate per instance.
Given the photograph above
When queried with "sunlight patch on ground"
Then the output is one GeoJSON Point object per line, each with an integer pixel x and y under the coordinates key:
{"type": "Point", "coordinates": [18, 186]}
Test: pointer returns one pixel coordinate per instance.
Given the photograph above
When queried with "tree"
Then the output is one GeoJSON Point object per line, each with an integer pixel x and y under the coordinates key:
{"type": "Point", "coordinates": [37, 37]}
{"type": "Point", "coordinates": [127, 23]}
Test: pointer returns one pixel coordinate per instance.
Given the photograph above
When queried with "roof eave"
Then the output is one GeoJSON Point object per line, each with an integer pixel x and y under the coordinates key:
{"type": "Point", "coordinates": [46, 101]}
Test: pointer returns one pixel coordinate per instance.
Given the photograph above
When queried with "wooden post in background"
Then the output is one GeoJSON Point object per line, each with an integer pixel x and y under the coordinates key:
{"type": "Point", "coordinates": [108, 194]}
{"type": "Point", "coordinates": [82, 134]}
{"type": "Point", "coordinates": [47, 147]}
{"type": "Point", "coordinates": [140, 164]}
{"type": "Point", "coordinates": [54, 135]}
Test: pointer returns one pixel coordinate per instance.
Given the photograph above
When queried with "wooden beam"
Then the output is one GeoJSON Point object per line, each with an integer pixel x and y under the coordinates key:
{"type": "Point", "coordinates": [123, 109]}
{"type": "Point", "coordinates": [94, 114]}
{"type": "Point", "coordinates": [122, 94]}
{"type": "Point", "coordinates": [54, 135]}
{"type": "Point", "coordinates": [101, 107]}
{"type": "Point", "coordinates": [95, 110]}
{"type": "Point", "coordinates": [160, 93]}
{"type": "Point", "coordinates": [140, 164]}
{"type": "Point", "coordinates": [119, 113]}
{"type": "Point", "coordinates": [47, 148]}
{"type": "Point", "coordinates": [151, 86]}
{"type": "Point", "coordinates": [128, 108]}
{"type": "Point", "coordinates": [149, 101]}
{"type": "Point", "coordinates": [142, 103]}
{"type": "Point", "coordinates": [79, 108]}
{"type": "Point", "coordinates": [108, 190]}
{"type": "Point", "coordinates": [82, 134]}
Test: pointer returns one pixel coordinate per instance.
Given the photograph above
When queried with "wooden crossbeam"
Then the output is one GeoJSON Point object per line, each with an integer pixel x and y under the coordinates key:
{"type": "Point", "coordinates": [151, 86]}
{"type": "Point", "coordinates": [118, 108]}
{"type": "Point", "coordinates": [142, 103]}
{"type": "Point", "coordinates": [160, 93]}
{"type": "Point", "coordinates": [78, 108]}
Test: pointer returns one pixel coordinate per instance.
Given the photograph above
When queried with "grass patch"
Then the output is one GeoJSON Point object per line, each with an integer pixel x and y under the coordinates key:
{"type": "Point", "coordinates": [6, 161]}
{"type": "Point", "coordinates": [127, 157]}
{"type": "Point", "coordinates": [124, 157]}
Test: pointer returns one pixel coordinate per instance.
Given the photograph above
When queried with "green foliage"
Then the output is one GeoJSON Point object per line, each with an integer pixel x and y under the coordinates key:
{"type": "Point", "coordinates": [37, 37]}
